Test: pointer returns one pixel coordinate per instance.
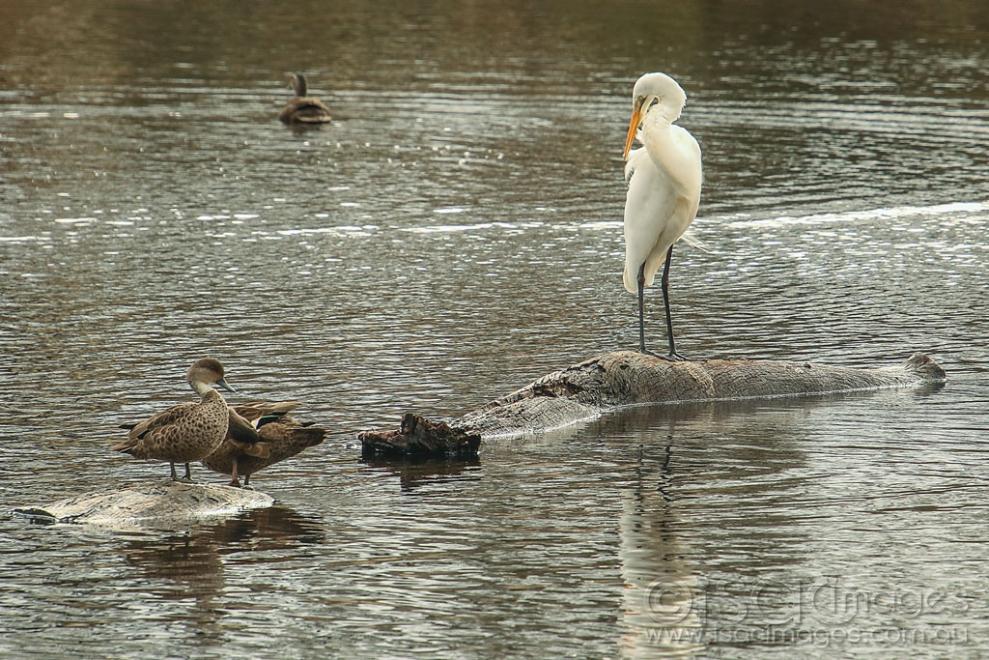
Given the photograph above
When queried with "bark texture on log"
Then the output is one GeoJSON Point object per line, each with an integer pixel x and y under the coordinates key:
{"type": "Point", "coordinates": [162, 504]}
{"type": "Point", "coordinates": [627, 378]}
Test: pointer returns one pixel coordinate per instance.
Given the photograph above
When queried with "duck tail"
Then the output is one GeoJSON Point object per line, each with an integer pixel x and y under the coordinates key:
{"type": "Point", "coordinates": [310, 435]}
{"type": "Point", "coordinates": [127, 446]}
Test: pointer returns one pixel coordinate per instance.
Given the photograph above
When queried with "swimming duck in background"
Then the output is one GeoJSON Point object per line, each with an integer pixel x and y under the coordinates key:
{"type": "Point", "coordinates": [279, 437]}
{"type": "Point", "coordinates": [303, 109]}
{"type": "Point", "coordinates": [188, 431]}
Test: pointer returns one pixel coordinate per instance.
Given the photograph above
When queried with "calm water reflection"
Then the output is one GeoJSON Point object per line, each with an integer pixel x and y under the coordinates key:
{"type": "Point", "coordinates": [453, 234]}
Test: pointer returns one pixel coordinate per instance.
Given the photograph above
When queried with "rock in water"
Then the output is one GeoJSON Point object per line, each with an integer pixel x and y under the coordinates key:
{"type": "Point", "coordinates": [159, 504]}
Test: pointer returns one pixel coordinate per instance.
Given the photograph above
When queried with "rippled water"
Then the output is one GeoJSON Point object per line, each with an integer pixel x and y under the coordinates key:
{"type": "Point", "coordinates": [453, 234]}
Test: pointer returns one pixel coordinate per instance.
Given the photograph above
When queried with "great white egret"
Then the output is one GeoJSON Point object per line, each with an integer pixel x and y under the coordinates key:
{"type": "Point", "coordinates": [664, 188]}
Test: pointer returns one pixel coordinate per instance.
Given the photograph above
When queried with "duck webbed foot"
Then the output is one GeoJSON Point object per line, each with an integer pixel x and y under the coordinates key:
{"type": "Point", "coordinates": [234, 481]}
{"type": "Point", "coordinates": [186, 478]}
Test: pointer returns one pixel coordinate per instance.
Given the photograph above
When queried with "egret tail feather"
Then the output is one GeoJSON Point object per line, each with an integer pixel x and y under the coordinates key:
{"type": "Point", "coordinates": [631, 274]}
{"type": "Point", "coordinates": [691, 239]}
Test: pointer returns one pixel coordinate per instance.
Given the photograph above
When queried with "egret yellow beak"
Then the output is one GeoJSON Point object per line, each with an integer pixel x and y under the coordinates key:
{"type": "Point", "coordinates": [633, 127]}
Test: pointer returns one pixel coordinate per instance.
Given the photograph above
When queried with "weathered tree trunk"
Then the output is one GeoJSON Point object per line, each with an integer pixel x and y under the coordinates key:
{"type": "Point", "coordinates": [162, 504]}
{"type": "Point", "coordinates": [624, 378]}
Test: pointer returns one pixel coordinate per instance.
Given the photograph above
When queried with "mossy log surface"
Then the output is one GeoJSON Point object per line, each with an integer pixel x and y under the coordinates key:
{"type": "Point", "coordinates": [625, 378]}
{"type": "Point", "coordinates": [161, 504]}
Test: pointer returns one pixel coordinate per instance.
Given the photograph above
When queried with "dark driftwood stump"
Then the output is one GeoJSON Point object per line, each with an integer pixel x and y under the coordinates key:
{"type": "Point", "coordinates": [419, 437]}
{"type": "Point", "coordinates": [624, 378]}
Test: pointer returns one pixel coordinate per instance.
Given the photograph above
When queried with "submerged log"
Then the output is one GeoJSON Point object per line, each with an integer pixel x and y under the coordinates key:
{"type": "Point", "coordinates": [625, 378]}
{"type": "Point", "coordinates": [162, 504]}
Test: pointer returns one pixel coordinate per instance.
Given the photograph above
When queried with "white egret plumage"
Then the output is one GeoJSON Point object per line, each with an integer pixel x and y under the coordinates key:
{"type": "Point", "coordinates": [664, 189]}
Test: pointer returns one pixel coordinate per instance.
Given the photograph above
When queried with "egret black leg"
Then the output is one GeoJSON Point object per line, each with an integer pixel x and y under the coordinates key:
{"type": "Point", "coordinates": [666, 301]}
{"type": "Point", "coordinates": [642, 326]}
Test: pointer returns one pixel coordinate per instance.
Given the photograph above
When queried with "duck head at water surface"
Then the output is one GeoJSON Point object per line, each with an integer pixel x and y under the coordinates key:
{"type": "Point", "coordinates": [185, 432]}
{"type": "Point", "coordinates": [303, 109]}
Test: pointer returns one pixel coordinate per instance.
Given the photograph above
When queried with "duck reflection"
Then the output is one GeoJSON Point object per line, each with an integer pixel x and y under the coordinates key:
{"type": "Point", "coordinates": [272, 528]}
{"type": "Point", "coordinates": [191, 564]}
{"type": "Point", "coordinates": [413, 473]}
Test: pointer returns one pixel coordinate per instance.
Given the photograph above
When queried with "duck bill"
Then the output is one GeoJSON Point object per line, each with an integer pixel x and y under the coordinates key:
{"type": "Point", "coordinates": [225, 385]}
{"type": "Point", "coordinates": [633, 127]}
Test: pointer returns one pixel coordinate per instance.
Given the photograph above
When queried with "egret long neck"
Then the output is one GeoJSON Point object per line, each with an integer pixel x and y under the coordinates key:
{"type": "Point", "coordinates": [666, 151]}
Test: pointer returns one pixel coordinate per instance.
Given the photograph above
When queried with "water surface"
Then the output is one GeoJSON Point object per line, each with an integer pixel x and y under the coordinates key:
{"type": "Point", "coordinates": [455, 233]}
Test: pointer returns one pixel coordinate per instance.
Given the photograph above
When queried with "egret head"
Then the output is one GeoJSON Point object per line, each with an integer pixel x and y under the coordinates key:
{"type": "Point", "coordinates": [654, 90]}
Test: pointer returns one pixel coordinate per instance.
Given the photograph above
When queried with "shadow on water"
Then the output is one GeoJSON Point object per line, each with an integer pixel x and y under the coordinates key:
{"type": "Point", "coordinates": [307, 130]}
{"type": "Point", "coordinates": [413, 474]}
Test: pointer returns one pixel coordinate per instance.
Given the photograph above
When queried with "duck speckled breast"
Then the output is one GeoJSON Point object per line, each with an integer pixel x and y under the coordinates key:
{"type": "Point", "coordinates": [184, 433]}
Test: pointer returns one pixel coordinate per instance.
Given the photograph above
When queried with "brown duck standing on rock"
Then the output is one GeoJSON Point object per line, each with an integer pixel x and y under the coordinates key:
{"type": "Point", "coordinates": [188, 431]}
{"type": "Point", "coordinates": [279, 436]}
{"type": "Point", "coordinates": [303, 109]}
